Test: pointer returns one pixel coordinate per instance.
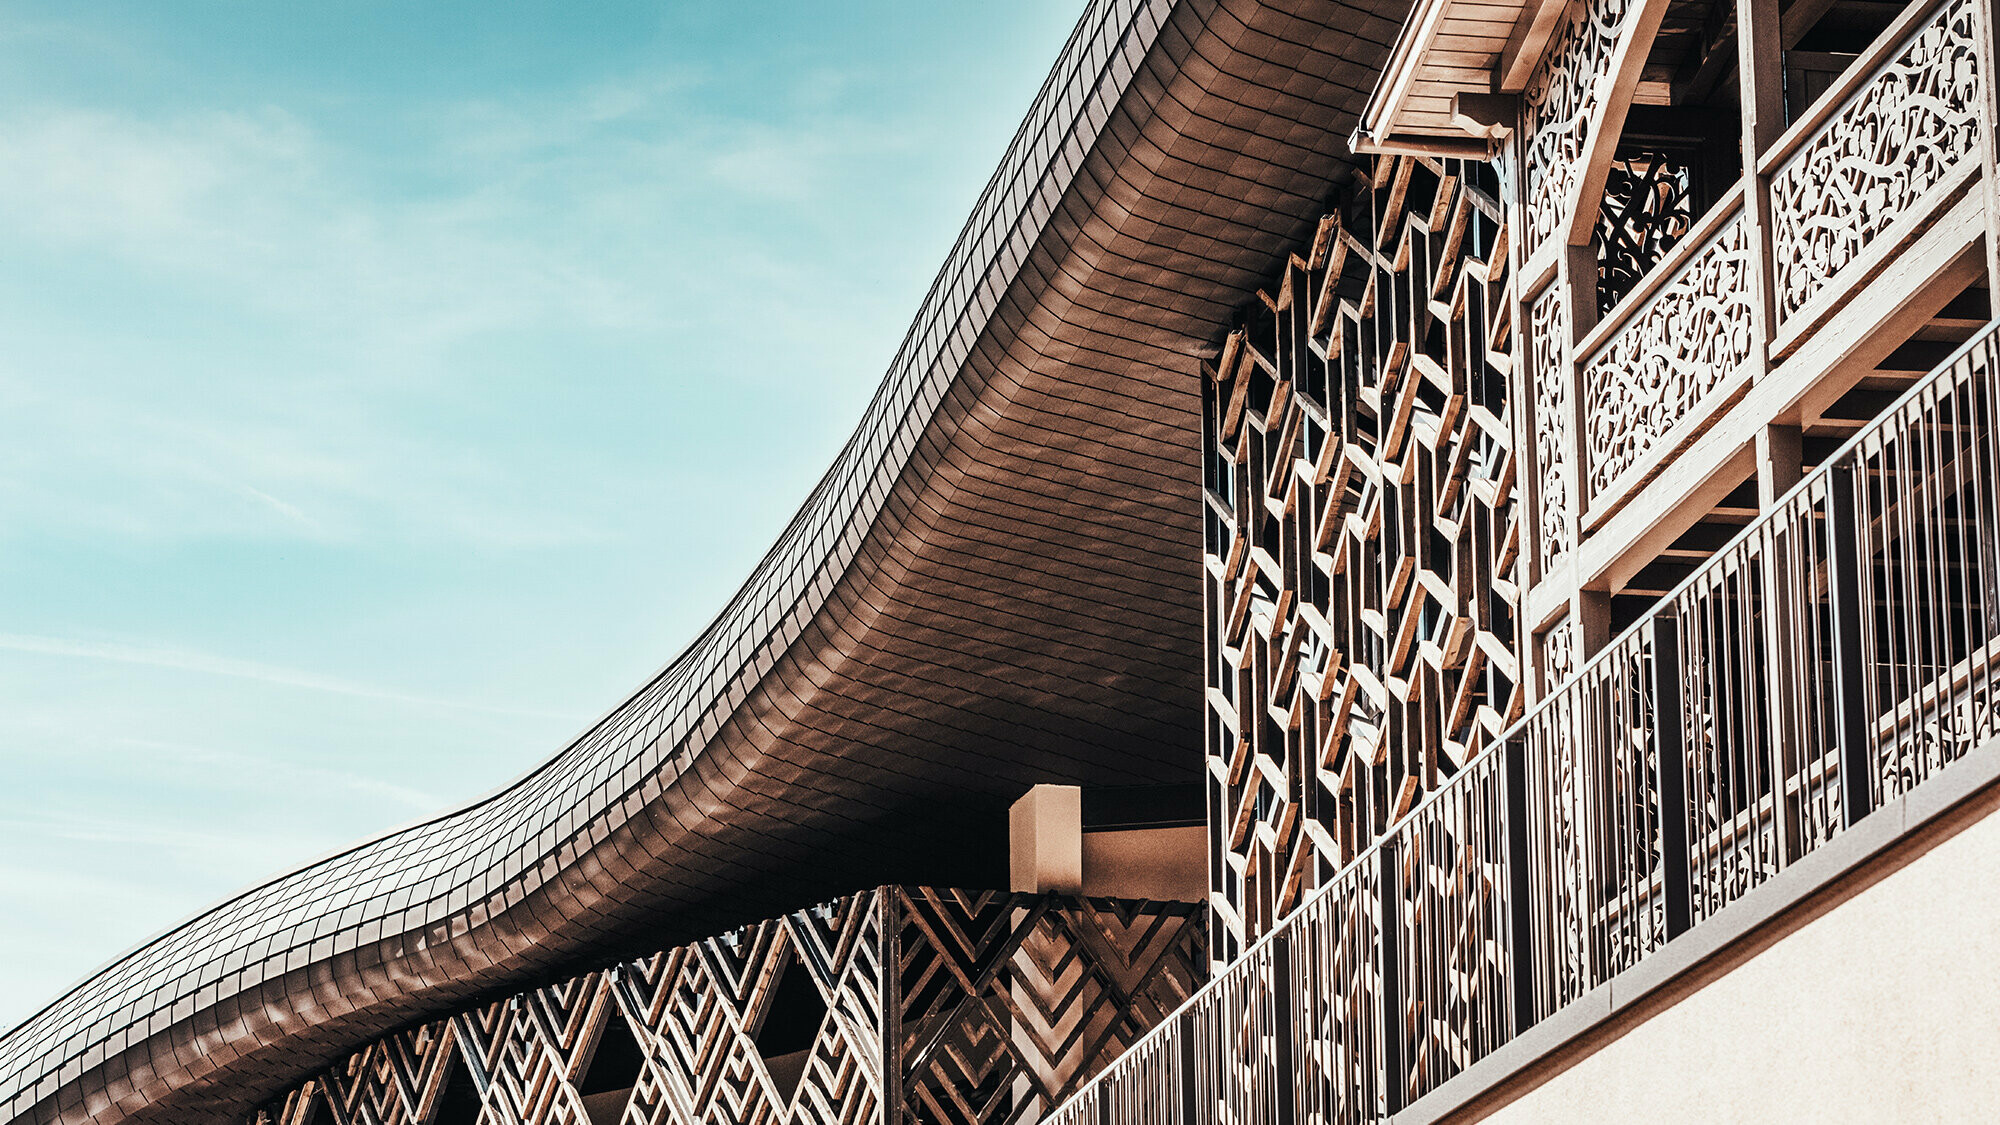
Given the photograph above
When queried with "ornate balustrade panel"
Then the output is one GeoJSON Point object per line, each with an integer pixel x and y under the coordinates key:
{"type": "Point", "coordinates": [1451, 859]}
{"type": "Point", "coordinates": [1687, 337]}
{"type": "Point", "coordinates": [1593, 830]}
{"type": "Point", "coordinates": [1838, 654]}
{"type": "Point", "coordinates": [1902, 131]}
{"type": "Point", "coordinates": [1563, 100]}
{"type": "Point", "coordinates": [1006, 1003]}
{"type": "Point", "coordinates": [1547, 350]}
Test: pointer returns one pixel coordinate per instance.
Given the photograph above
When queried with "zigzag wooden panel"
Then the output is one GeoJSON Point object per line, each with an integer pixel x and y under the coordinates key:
{"type": "Point", "coordinates": [1008, 1003]}
{"type": "Point", "coordinates": [1362, 536]}
{"type": "Point", "coordinates": [999, 1006]}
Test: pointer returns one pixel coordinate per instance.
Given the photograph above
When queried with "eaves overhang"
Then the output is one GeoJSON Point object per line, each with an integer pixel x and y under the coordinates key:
{"type": "Point", "coordinates": [997, 583]}
{"type": "Point", "coordinates": [1454, 62]}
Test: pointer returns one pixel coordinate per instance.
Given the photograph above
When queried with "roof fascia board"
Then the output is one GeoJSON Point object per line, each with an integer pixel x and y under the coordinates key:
{"type": "Point", "coordinates": [1378, 118]}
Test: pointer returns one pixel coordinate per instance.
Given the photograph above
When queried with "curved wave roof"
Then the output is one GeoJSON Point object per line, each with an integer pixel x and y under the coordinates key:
{"type": "Point", "coordinates": [995, 584]}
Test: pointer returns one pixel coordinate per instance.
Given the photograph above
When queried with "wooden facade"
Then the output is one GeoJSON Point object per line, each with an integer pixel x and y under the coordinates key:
{"type": "Point", "coordinates": [1708, 242]}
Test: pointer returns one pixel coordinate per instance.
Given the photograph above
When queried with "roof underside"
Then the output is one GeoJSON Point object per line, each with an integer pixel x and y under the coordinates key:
{"type": "Point", "coordinates": [1449, 48]}
{"type": "Point", "coordinates": [997, 584]}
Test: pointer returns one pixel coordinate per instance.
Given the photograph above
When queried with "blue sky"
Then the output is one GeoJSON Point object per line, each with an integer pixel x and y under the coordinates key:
{"type": "Point", "coordinates": [388, 388]}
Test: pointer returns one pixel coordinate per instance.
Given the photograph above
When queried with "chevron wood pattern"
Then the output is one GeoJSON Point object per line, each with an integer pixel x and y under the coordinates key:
{"type": "Point", "coordinates": [931, 1006]}
{"type": "Point", "coordinates": [1009, 1002]}
{"type": "Point", "coordinates": [1363, 535]}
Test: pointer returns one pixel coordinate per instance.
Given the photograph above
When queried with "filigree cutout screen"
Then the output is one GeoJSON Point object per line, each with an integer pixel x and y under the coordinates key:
{"type": "Point", "coordinates": [1894, 139]}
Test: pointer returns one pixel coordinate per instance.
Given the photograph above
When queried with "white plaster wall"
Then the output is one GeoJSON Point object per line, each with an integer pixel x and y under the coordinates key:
{"type": "Point", "coordinates": [1886, 1008]}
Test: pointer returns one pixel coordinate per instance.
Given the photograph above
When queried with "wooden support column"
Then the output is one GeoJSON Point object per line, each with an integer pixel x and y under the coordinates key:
{"type": "Point", "coordinates": [1590, 610]}
{"type": "Point", "coordinates": [1761, 69]}
{"type": "Point", "coordinates": [1780, 462]}
{"type": "Point", "coordinates": [1576, 277]}
{"type": "Point", "coordinates": [1989, 128]}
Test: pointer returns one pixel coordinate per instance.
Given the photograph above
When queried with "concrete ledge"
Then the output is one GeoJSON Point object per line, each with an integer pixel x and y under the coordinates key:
{"type": "Point", "coordinates": [1703, 946]}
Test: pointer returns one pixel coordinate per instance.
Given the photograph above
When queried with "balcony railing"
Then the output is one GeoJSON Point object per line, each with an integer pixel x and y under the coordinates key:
{"type": "Point", "coordinates": [1842, 650]}
{"type": "Point", "coordinates": [1880, 156]}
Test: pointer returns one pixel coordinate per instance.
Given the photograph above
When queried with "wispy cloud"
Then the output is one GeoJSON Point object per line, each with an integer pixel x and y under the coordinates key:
{"type": "Point", "coordinates": [386, 318]}
{"type": "Point", "coordinates": [207, 664]}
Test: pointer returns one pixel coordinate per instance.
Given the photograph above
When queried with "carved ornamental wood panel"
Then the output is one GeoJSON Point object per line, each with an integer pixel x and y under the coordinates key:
{"type": "Point", "coordinates": [1899, 135]}
{"type": "Point", "coordinates": [1564, 95]}
{"type": "Point", "coordinates": [1692, 335]}
{"type": "Point", "coordinates": [898, 1004]}
{"type": "Point", "coordinates": [1363, 535]}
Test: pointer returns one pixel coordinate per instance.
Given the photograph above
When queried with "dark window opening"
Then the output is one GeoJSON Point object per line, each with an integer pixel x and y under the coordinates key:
{"type": "Point", "coordinates": [1819, 48]}
{"type": "Point", "coordinates": [1670, 168]}
{"type": "Point", "coordinates": [458, 1102]}
{"type": "Point", "coordinates": [789, 1027]}
{"type": "Point", "coordinates": [1680, 150]}
{"type": "Point", "coordinates": [612, 1072]}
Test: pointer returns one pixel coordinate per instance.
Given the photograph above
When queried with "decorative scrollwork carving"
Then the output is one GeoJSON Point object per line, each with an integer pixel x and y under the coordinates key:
{"type": "Point", "coordinates": [1548, 333]}
{"type": "Point", "coordinates": [1562, 96]}
{"type": "Point", "coordinates": [1693, 334]}
{"type": "Point", "coordinates": [1897, 136]}
{"type": "Point", "coordinates": [1559, 653]}
{"type": "Point", "coordinates": [1648, 208]}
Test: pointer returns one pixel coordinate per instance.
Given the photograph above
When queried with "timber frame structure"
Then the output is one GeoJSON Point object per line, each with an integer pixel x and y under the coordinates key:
{"type": "Point", "coordinates": [1531, 466]}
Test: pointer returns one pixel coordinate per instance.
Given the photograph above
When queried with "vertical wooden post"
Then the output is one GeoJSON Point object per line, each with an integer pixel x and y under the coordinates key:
{"type": "Point", "coordinates": [890, 951]}
{"type": "Point", "coordinates": [1670, 778]}
{"type": "Point", "coordinates": [1395, 1079]}
{"type": "Point", "coordinates": [1590, 611]}
{"type": "Point", "coordinates": [1760, 60]}
{"type": "Point", "coordinates": [1844, 594]}
{"type": "Point", "coordinates": [1780, 462]}
{"type": "Point", "coordinates": [1989, 137]}
{"type": "Point", "coordinates": [1576, 274]}
{"type": "Point", "coordinates": [1520, 932]}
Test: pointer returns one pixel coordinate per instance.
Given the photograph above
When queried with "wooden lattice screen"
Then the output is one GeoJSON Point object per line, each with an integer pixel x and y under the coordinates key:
{"type": "Point", "coordinates": [999, 1007]}
{"type": "Point", "coordinates": [1362, 535]}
